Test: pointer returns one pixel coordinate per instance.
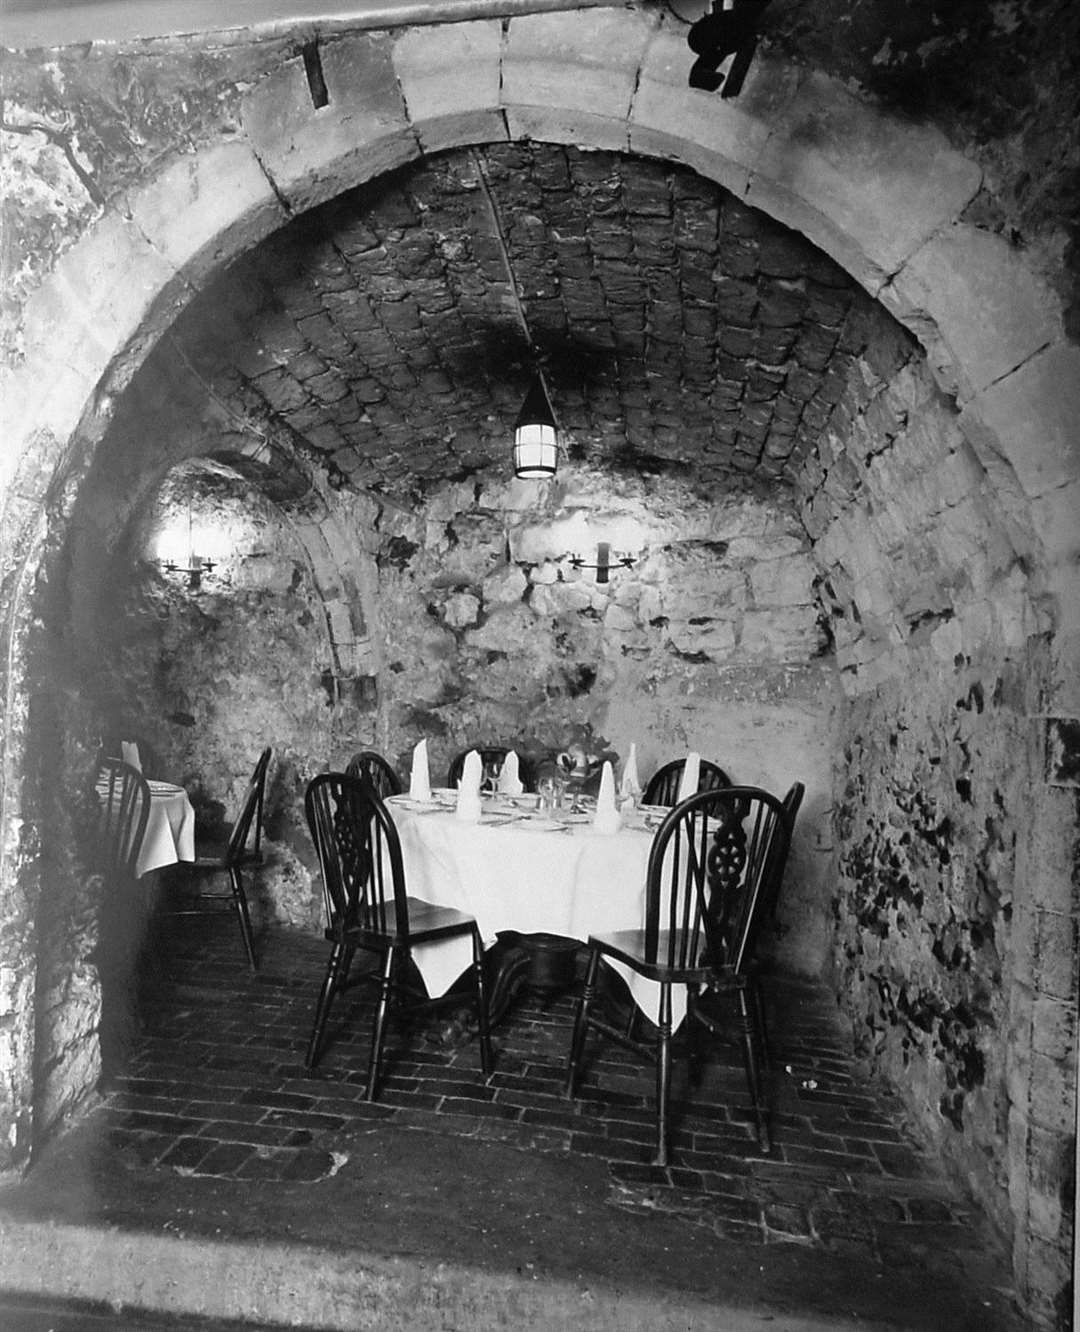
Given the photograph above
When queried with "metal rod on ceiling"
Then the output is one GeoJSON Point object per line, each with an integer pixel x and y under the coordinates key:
{"type": "Point", "coordinates": [504, 250]}
{"type": "Point", "coordinates": [536, 449]}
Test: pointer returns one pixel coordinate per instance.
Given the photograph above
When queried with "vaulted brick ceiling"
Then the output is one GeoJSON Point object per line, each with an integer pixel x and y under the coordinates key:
{"type": "Point", "coordinates": [676, 327]}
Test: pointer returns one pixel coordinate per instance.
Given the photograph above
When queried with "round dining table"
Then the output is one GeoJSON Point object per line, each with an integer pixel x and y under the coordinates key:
{"type": "Point", "coordinates": [525, 870]}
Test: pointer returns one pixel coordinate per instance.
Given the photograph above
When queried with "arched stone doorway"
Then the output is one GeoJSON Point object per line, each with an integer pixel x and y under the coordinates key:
{"type": "Point", "coordinates": [886, 201]}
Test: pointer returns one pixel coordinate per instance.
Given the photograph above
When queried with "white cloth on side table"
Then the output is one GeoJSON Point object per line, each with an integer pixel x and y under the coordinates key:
{"type": "Point", "coordinates": [420, 778]}
{"type": "Point", "coordinates": [468, 794]}
{"type": "Point", "coordinates": [170, 827]}
{"type": "Point", "coordinates": [691, 776]}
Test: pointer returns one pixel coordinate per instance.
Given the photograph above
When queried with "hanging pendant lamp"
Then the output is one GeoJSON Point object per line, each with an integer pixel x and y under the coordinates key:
{"type": "Point", "coordinates": [535, 447]}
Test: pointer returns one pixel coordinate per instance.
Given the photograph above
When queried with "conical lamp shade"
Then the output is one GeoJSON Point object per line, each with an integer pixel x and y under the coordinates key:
{"type": "Point", "coordinates": [535, 447]}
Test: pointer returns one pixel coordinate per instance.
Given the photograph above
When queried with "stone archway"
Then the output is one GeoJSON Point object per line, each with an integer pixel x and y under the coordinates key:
{"type": "Point", "coordinates": [886, 200]}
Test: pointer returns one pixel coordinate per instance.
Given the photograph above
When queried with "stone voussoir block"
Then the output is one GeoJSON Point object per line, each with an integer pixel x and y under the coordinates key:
{"type": "Point", "coordinates": [576, 60]}
{"type": "Point", "coordinates": [991, 311]}
{"type": "Point", "coordinates": [720, 140]}
{"type": "Point", "coordinates": [99, 293]}
{"type": "Point", "coordinates": [1029, 418]}
{"type": "Point", "coordinates": [449, 71]}
{"type": "Point", "coordinates": [1056, 954]}
{"type": "Point", "coordinates": [864, 188]}
{"type": "Point", "coordinates": [205, 207]}
{"type": "Point", "coordinates": [314, 153]}
{"type": "Point", "coordinates": [36, 410]}
{"type": "Point", "coordinates": [889, 186]}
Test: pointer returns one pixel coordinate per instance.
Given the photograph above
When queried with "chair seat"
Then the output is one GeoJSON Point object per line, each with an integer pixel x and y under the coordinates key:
{"type": "Point", "coordinates": [713, 863]}
{"type": "Point", "coordinates": [427, 920]}
{"type": "Point", "coordinates": [426, 923]}
{"type": "Point", "coordinates": [215, 855]}
{"type": "Point", "coordinates": [628, 946]}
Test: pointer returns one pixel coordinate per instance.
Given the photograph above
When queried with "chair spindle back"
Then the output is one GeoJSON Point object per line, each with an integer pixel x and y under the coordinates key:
{"type": "Point", "coordinates": [711, 866]}
{"type": "Point", "coordinates": [249, 820]}
{"type": "Point", "coordinates": [371, 764]}
{"type": "Point", "coordinates": [662, 788]}
{"type": "Point", "coordinates": [123, 809]}
{"type": "Point", "coordinates": [359, 854]}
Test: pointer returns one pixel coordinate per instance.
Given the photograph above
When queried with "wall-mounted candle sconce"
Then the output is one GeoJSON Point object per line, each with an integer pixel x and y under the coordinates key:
{"type": "Point", "coordinates": [194, 570]}
{"type": "Point", "coordinates": [604, 562]}
{"type": "Point", "coordinates": [177, 543]}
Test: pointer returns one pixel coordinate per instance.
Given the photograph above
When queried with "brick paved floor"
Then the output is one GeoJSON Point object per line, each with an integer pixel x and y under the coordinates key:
{"type": "Point", "coordinates": [215, 1086]}
{"type": "Point", "coordinates": [493, 1202]}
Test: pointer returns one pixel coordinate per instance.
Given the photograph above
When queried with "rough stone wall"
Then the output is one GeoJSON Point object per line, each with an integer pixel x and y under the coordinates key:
{"type": "Point", "coordinates": [934, 781]}
{"type": "Point", "coordinates": [710, 640]}
{"type": "Point", "coordinates": [148, 98]}
{"type": "Point", "coordinates": [1042, 1058]}
{"type": "Point", "coordinates": [205, 677]}
{"type": "Point", "coordinates": [952, 940]}
{"type": "Point", "coordinates": [954, 971]}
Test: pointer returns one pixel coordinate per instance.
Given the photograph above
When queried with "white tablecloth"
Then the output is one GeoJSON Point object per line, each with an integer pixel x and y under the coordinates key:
{"type": "Point", "coordinates": [170, 829]}
{"type": "Point", "coordinates": [536, 875]}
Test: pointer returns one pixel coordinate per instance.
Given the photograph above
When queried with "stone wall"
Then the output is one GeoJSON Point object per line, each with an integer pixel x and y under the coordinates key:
{"type": "Point", "coordinates": [709, 640]}
{"type": "Point", "coordinates": [950, 881]}
{"type": "Point", "coordinates": [934, 781]}
{"type": "Point", "coordinates": [205, 676]}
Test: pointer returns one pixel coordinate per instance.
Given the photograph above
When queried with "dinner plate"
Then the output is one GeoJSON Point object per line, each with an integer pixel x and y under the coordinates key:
{"type": "Point", "coordinates": [164, 788]}
{"type": "Point", "coordinates": [540, 825]}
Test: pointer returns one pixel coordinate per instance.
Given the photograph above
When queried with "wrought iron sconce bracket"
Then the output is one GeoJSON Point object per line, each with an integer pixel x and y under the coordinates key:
{"type": "Point", "coordinates": [604, 563]}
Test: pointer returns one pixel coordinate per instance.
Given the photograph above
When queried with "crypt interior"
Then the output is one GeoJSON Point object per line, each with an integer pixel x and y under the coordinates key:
{"type": "Point", "coordinates": [274, 292]}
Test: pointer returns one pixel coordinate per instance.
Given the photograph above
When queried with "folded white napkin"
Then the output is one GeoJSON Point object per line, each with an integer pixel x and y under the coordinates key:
{"type": "Point", "coordinates": [468, 795]}
{"type": "Point", "coordinates": [630, 785]}
{"type": "Point", "coordinates": [691, 775]}
{"type": "Point", "coordinates": [129, 753]}
{"type": "Point", "coordinates": [419, 778]}
{"type": "Point", "coordinates": [607, 818]}
{"type": "Point", "coordinates": [509, 781]}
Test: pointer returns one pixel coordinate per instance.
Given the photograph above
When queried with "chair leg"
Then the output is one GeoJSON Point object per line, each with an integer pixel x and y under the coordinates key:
{"type": "Point", "coordinates": [577, 1040]}
{"type": "Point", "coordinates": [240, 902]}
{"type": "Point", "coordinates": [695, 1058]}
{"type": "Point", "coordinates": [747, 1013]}
{"type": "Point", "coordinates": [762, 1028]}
{"type": "Point", "coordinates": [336, 971]}
{"type": "Point", "coordinates": [663, 1074]}
{"type": "Point", "coordinates": [378, 1031]}
{"type": "Point", "coordinates": [484, 1034]}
